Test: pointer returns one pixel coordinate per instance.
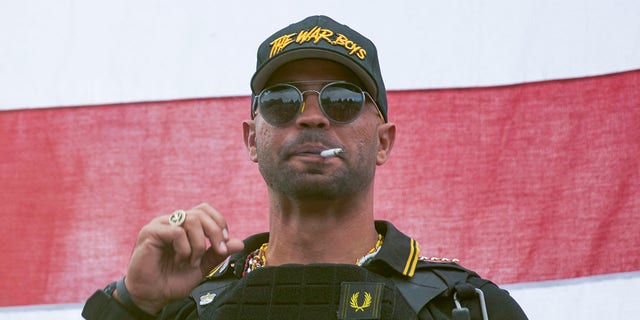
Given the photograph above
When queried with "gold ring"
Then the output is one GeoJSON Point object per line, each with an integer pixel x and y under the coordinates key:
{"type": "Point", "coordinates": [177, 218]}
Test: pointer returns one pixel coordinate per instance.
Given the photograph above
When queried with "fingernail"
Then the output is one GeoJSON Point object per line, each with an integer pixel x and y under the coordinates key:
{"type": "Point", "coordinates": [222, 247]}
{"type": "Point", "coordinates": [225, 234]}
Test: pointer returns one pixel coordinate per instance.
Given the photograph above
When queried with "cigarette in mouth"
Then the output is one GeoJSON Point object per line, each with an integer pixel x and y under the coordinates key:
{"type": "Point", "coordinates": [331, 152]}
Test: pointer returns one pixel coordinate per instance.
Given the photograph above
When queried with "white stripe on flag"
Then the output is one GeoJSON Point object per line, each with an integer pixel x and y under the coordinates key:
{"type": "Point", "coordinates": [612, 296]}
{"type": "Point", "coordinates": [45, 311]}
{"type": "Point", "coordinates": [66, 53]}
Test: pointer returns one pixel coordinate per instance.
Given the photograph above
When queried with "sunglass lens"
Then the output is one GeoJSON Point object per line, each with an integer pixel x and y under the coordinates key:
{"type": "Point", "coordinates": [342, 102]}
{"type": "Point", "coordinates": [279, 104]}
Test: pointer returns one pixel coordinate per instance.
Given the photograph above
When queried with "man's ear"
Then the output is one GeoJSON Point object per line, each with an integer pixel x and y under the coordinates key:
{"type": "Point", "coordinates": [386, 138]}
{"type": "Point", "coordinates": [249, 132]}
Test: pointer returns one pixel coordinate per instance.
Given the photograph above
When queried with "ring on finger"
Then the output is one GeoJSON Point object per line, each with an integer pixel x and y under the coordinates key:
{"type": "Point", "coordinates": [177, 218]}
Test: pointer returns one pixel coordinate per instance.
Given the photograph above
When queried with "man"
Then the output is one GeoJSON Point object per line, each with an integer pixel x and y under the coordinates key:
{"type": "Point", "coordinates": [318, 129]}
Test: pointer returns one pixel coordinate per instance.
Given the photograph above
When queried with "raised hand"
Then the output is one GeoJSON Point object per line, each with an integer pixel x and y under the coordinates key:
{"type": "Point", "coordinates": [169, 260]}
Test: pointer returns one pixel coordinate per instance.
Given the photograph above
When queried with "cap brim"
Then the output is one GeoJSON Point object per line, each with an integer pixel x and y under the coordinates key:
{"type": "Point", "coordinates": [262, 75]}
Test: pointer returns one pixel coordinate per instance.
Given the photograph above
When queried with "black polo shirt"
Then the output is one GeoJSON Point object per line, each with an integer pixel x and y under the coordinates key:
{"type": "Point", "coordinates": [397, 281]}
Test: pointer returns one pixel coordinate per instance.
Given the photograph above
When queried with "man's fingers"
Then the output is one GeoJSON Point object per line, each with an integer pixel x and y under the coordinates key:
{"type": "Point", "coordinates": [188, 240]}
{"type": "Point", "coordinates": [217, 235]}
{"type": "Point", "coordinates": [203, 222]}
{"type": "Point", "coordinates": [197, 240]}
{"type": "Point", "coordinates": [217, 217]}
{"type": "Point", "coordinates": [162, 236]}
{"type": "Point", "coordinates": [212, 258]}
{"type": "Point", "coordinates": [215, 227]}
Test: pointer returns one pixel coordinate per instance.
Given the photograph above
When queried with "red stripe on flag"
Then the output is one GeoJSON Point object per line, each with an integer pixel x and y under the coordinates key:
{"type": "Point", "coordinates": [522, 183]}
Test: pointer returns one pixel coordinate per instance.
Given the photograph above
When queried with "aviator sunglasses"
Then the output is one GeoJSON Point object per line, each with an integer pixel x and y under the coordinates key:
{"type": "Point", "coordinates": [341, 102]}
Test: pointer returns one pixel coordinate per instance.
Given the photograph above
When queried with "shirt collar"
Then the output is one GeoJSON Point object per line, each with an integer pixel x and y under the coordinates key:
{"type": "Point", "coordinates": [399, 252]}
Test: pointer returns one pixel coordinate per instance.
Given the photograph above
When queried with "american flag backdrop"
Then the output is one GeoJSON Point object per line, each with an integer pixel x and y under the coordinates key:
{"type": "Point", "coordinates": [517, 150]}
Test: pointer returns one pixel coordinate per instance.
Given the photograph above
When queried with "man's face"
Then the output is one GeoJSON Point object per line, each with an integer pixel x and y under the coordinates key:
{"type": "Point", "coordinates": [289, 156]}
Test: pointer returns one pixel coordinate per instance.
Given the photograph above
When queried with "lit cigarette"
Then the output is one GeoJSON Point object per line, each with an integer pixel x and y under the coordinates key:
{"type": "Point", "coordinates": [331, 152]}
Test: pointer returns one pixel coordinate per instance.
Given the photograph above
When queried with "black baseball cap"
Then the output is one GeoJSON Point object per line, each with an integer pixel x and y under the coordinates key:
{"type": "Point", "coordinates": [323, 38]}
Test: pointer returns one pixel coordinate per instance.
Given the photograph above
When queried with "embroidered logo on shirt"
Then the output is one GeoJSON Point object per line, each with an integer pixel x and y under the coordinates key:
{"type": "Point", "coordinates": [365, 304]}
{"type": "Point", "coordinates": [360, 300]}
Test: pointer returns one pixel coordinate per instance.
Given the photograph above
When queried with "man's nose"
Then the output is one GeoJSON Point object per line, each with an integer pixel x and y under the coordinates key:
{"type": "Point", "coordinates": [311, 115]}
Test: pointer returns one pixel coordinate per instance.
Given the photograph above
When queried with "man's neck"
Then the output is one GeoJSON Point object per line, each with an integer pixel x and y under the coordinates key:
{"type": "Point", "coordinates": [320, 233]}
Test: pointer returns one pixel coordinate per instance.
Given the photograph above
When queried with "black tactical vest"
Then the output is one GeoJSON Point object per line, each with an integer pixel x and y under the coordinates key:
{"type": "Point", "coordinates": [330, 291]}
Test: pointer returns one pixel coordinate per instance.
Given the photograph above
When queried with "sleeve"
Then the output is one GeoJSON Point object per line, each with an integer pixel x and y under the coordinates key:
{"type": "Point", "coordinates": [500, 304]}
{"type": "Point", "coordinates": [102, 306]}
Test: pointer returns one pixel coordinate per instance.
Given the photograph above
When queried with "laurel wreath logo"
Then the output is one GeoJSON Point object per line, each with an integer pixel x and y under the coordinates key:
{"type": "Point", "coordinates": [365, 304]}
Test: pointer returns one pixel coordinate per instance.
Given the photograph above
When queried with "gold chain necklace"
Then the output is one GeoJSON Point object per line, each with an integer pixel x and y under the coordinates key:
{"type": "Point", "coordinates": [258, 258]}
